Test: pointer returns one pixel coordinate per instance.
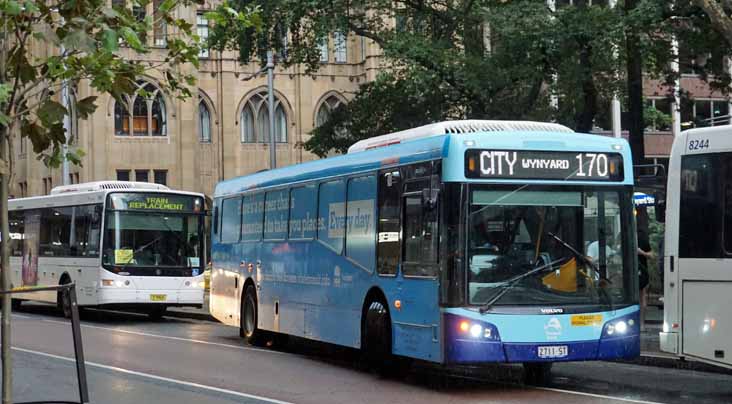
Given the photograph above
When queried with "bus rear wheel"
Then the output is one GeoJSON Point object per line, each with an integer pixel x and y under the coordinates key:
{"type": "Point", "coordinates": [538, 373]}
{"type": "Point", "coordinates": [248, 318]}
{"type": "Point", "coordinates": [376, 343]}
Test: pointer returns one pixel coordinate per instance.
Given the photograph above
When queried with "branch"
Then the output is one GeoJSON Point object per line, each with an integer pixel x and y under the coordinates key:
{"type": "Point", "coordinates": [720, 20]}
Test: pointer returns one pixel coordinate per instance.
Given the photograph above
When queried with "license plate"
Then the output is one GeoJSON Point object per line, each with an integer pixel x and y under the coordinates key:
{"type": "Point", "coordinates": [158, 298]}
{"type": "Point", "coordinates": [555, 351]}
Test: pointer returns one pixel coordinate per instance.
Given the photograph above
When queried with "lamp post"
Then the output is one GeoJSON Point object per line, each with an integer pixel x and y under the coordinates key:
{"type": "Point", "coordinates": [270, 101]}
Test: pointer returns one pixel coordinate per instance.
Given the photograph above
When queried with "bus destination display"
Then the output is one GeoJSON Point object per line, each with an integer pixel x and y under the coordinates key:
{"type": "Point", "coordinates": [155, 202]}
{"type": "Point", "coordinates": [543, 165]}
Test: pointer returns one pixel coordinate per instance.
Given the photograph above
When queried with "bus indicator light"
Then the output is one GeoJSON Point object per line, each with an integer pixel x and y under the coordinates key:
{"type": "Point", "coordinates": [464, 326]}
{"type": "Point", "coordinates": [398, 304]}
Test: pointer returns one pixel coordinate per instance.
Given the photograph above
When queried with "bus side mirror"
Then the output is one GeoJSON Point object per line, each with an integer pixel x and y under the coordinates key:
{"type": "Point", "coordinates": [430, 197]}
{"type": "Point", "coordinates": [660, 207]}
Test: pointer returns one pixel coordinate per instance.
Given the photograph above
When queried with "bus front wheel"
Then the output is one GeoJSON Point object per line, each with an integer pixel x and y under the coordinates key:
{"type": "Point", "coordinates": [376, 342]}
{"type": "Point", "coordinates": [537, 373]}
{"type": "Point", "coordinates": [248, 318]}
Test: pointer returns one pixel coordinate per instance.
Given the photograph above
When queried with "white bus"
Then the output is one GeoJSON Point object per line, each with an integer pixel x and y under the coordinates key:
{"type": "Point", "coordinates": [697, 320]}
{"type": "Point", "coordinates": [128, 245]}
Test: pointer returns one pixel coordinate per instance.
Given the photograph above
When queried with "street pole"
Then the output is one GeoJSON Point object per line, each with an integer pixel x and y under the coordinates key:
{"type": "Point", "coordinates": [5, 132]}
{"type": "Point", "coordinates": [615, 112]}
{"type": "Point", "coordinates": [270, 102]}
{"type": "Point", "coordinates": [67, 124]}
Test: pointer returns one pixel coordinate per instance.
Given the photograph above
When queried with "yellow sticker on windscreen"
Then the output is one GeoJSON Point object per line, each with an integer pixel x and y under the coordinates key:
{"type": "Point", "coordinates": [123, 256]}
{"type": "Point", "coordinates": [584, 320]}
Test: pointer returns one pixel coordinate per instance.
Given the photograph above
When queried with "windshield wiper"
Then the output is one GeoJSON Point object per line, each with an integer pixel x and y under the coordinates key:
{"type": "Point", "coordinates": [574, 251]}
{"type": "Point", "coordinates": [601, 292]}
{"type": "Point", "coordinates": [511, 282]}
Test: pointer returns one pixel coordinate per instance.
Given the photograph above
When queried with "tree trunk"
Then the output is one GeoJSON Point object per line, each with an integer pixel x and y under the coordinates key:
{"type": "Point", "coordinates": [720, 20]}
{"type": "Point", "coordinates": [635, 90]}
{"type": "Point", "coordinates": [7, 393]}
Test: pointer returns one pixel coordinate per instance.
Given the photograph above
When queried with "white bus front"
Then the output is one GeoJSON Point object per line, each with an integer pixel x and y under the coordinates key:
{"type": "Point", "coordinates": [152, 251]}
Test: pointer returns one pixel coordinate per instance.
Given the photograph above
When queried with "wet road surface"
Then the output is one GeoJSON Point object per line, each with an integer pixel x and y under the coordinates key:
{"type": "Point", "coordinates": [131, 359]}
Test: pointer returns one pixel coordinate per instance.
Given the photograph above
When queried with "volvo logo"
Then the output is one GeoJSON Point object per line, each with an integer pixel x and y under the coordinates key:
{"type": "Point", "coordinates": [551, 311]}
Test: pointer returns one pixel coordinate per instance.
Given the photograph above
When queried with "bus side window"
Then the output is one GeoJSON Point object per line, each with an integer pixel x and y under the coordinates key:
{"type": "Point", "coordinates": [303, 212]}
{"type": "Point", "coordinates": [252, 217]}
{"type": "Point", "coordinates": [216, 220]}
{"type": "Point", "coordinates": [277, 207]}
{"type": "Point", "coordinates": [701, 210]}
{"type": "Point", "coordinates": [331, 214]}
{"type": "Point", "coordinates": [360, 222]}
{"type": "Point", "coordinates": [230, 220]}
{"type": "Point", "coordinates": [388, 242]}
{"type": "Point", "coordinates": [420, 226]}
{"type": "Point", "coordinates": [17, 232]}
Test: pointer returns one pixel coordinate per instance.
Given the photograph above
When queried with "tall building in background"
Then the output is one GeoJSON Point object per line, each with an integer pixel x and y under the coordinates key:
{"type": "Point", "coordinates": [219, 133]}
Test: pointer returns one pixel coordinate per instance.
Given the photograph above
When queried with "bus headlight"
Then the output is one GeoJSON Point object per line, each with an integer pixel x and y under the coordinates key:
{"type": "Point", "coordinates": [476, 330]}
{"type": "Point", "coordinates": [626, 325]}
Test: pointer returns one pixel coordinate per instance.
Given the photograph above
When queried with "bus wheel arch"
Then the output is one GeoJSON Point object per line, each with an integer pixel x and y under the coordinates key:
{"type": "Point", "coordinates": [376, 328]}
{"type": "Point", "coordinates": [63, 300]}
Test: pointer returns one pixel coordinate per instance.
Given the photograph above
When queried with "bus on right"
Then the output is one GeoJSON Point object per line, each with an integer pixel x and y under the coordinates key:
{"type": "Point", "coordinates": [697, 320]}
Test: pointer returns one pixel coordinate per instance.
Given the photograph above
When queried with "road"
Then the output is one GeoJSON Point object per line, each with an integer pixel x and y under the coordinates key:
{"type": "Point", "coordinates": [131, 359]}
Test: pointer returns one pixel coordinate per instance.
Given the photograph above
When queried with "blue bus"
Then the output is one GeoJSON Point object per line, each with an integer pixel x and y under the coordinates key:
{"type": "Point", "coordinates": [463, 242]}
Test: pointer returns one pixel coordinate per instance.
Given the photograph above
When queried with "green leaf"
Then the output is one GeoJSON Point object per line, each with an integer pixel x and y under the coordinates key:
{"type": "Point", "coordinates": [12, 8]}
{"type": "Point", "coordinates": [110, 40]}
{"type": "Point", "coordinates": [4, 92]}
{"type": "Point", "coordinates": [30, 7]}
{"type": "Point", "coordinates": [110, 12]}
{"type": "Point", "coordinates": [51, 112]}
{"type": "Point", "coordinates": [77, 39]}
{"type": "Point", "coordinates": [167, 6]}
{"type": "Point", "coordinates": [130, 36]}
{"type": "Point", "coordinates": [86, 106]}
{"type": "Point", "coordinates": [4, 119]}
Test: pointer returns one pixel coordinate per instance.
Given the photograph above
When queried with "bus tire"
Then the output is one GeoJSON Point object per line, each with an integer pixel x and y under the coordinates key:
{"type": "Point", "coordinates": [157, 312]}
{"type": "Point", "coordinates": [538, 373]}
{"type": "Point", "coordinates": [248, 318]}
{"type": "Point", "coordinates": [376, 344]}
{"type": "Point", "coordinates": [63, 300]}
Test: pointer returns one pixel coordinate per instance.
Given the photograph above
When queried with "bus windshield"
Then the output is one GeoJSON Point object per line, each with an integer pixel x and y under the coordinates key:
{"type": "Point", "coordinates": [539, 246]}
{"type": "Point", "coordinates": [143, 239]}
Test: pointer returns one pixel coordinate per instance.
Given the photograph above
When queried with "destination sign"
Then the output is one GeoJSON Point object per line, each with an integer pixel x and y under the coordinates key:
{"type": "Point", "coordinates": [544, 165]}
{"type": "Point", "coordinates": [155, 202]}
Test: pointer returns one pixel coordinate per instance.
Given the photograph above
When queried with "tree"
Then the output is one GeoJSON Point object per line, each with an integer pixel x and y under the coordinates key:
{"type": "Point", "coordinates": [719, 14]}
{"type": "Point", "coordinates": [481, 58]}
{"type": "Point", "coordinates": [88, 43]}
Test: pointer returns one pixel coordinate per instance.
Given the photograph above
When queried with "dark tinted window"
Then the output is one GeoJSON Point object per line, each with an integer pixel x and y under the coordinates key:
{"type": "Point", "coordinates": [700, 213]}
{"type": "Point", "coordinates": [388, 246]}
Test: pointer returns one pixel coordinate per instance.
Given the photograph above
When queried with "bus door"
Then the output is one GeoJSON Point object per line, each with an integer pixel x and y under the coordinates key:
{"type": "Point", "coordinates": [416, 323]}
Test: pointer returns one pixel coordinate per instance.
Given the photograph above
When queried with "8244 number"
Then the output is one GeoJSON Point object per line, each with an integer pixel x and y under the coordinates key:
{"type": "Point", "coordinates": [698, 144]}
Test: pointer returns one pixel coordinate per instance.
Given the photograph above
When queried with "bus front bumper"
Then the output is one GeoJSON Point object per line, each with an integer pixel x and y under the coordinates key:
{"type": "Point", "coordinates": [472, 341]}
{"type": "Point", "coordinates": [172, 297]}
